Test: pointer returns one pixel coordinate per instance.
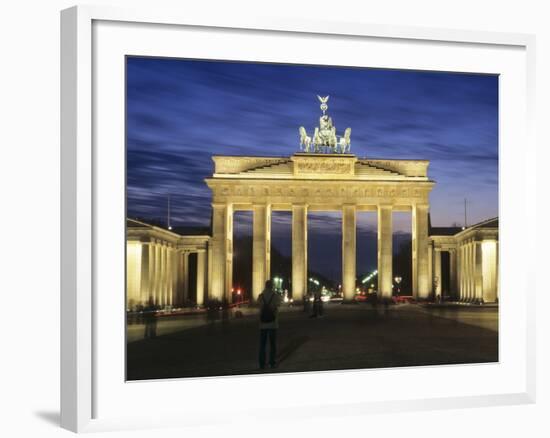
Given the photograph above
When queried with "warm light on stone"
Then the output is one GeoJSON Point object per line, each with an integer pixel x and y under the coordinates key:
{"type": "Point", "coordinates": [349, 225]}
{"type": "Point", "coordinates": [421, 280]}
{"type": "Point", "coordinates": [299, 252]}
{"type": "Point", "coordinates": [157, 266]}
{"type": "Point", "coordinates": [261, 224]}
{"type": "Point", "coordinates": [133, 273]}
{"type": "Point", "coordinates": [473, 261]}
{"type": "Point", "coordinates": [317, 182]}
{"type": "Point", "coordinates": [325, 176]}
{"type": "Point", "coordinates": [489, 270]}
{"type": "Point", "coordinates": [385, 251]}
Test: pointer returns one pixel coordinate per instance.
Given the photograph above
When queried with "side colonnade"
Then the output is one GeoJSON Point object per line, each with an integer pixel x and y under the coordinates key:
{"type": "Point", "coordinates": [157, 267]}
{"type": "Point", "coordinates": [473, 263]}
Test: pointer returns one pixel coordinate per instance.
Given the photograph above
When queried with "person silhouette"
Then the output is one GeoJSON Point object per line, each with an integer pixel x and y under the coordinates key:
{"type": "Point", "coordinates": [317, 305]}
{"type": "Point", "coordinates": [269, 302]}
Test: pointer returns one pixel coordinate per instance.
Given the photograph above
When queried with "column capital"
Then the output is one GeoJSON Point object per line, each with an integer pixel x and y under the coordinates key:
{"type": "Point", "coordinates": [349, 208]}
{"type": "Point", "coordinates": [421, 206]}
{"type": "Point", "coordinates": [221, 204]}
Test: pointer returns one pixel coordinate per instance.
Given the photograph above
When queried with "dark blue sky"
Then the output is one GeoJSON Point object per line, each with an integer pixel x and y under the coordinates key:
{"type": "Point", "coordinates": [180, 113]}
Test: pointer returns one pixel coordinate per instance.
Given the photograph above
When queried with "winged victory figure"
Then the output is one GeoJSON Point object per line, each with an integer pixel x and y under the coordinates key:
{"type": "Point", "coordinates": [323, 101]}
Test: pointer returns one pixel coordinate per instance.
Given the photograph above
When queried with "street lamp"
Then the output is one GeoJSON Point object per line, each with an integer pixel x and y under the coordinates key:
{"type": "Point", "coordinates": [398, 282]}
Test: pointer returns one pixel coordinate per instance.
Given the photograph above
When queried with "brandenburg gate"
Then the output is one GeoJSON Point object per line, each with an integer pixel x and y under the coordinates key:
{"type": "Point", "coordinates": [324, 176]}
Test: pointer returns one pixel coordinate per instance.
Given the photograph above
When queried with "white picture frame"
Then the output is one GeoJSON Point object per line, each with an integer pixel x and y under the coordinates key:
{"type": "Point", "coordinates": [83, 179]}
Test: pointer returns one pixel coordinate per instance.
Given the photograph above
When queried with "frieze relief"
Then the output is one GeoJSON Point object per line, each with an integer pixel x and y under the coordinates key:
{"type": "Point", "coordinates": [227, 191]}
{"type": "Point", "coordinates": [324, 167]}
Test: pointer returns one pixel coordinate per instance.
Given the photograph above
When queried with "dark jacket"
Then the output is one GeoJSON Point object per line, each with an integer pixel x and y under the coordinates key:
{"type": "Point", "coordinates": [275, 302]}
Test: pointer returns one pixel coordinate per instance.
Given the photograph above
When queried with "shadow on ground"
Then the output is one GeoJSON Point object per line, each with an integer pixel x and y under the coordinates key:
{"type": "Point", "coordinates": [347, 337]}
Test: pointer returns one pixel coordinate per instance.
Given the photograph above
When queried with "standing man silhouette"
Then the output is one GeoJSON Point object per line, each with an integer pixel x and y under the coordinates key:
{"type": "Point", "coordinates": [269, 302]}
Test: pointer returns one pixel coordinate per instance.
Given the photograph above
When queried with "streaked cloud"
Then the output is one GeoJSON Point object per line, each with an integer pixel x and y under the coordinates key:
{"type": "Point", "coordinates": [181, 112]}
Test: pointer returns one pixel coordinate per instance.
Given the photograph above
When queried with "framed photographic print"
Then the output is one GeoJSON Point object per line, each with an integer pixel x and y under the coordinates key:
{"type": "Point", "coordinates": [305, 208]}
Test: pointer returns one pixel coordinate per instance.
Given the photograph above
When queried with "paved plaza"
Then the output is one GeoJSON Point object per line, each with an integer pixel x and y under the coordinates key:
{"type": "Point", "coordinates": [346, 337]}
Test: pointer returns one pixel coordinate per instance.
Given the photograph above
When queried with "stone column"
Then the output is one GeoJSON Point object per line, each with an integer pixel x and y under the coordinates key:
{"type": "Point", "coordinates": [452, 272]}
{"type": "Point", "coordinates": [431, 274]}
{"type": "Point", "coordinates": [437, 271]}
{"type": "Point", "coordinates": [385, 251]}
{"type": "Point", "coordinates": [168, 287]}
{"type": "Point", "coordinates": [151, 294]}
{"type": "Point", "coordinates": [478, 272]}
{"type": "Point", "coordinates": [209, 270]}
{"type": "Point", "coordinates": [421, 288]}
{"type": "Point", "coordinates": [469, 288]}
{"type": "Point", "coordinates": [145, 272]}
{"type": "Point", "coordinates": [497, 274]}
{"type": "Point", "coordinates": [299, 251]}
{"type": "Point", "coordinates": [472, 271]}
{"type": "Point", "coordinates": [174, 261]}
{"type": "Point", "coordinates": [222, 250]}
{"type": "Point", "coordinates": [160, 290]}
{"type": "Point", "coordinates": [178, 293]}
{"type": "Point", "coordinates": [459, 270]}
{"type": "Point", "coordinates": [229, 255]}
{"type": "Point", "coordinates": [466, 271]}
{"type": "Point", "coordinates": [185, 277]}
{"type": "Point", "coordinates": [201, 271]}
{"type": "Point", "coordinates": [261, 230]}
{"type": "Point", "coordinates": [167, 274]}
{"type": "Point", "coordinates": [348, 251]}
{"type": "Point", "coordinates": [156, 282]}
{"type": "Point", "coordinates": [489, 268]}
{"type": "Point", "coordinates": [158, 274]}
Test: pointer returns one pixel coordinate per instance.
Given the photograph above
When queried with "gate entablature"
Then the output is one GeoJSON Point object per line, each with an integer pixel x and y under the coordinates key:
{"type": "Point", "coordinates": [316, 179]}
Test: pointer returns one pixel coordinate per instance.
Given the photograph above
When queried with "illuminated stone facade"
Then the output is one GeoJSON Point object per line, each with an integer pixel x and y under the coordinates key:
{"type": "Point", "coordinates": [157, 266]}
{"type": "Point", "coordinates": [325, 177]}
{"type": "Point", "coordinates": [317, 182]}
{"type": "Point", "coordinates": [473, 262]}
